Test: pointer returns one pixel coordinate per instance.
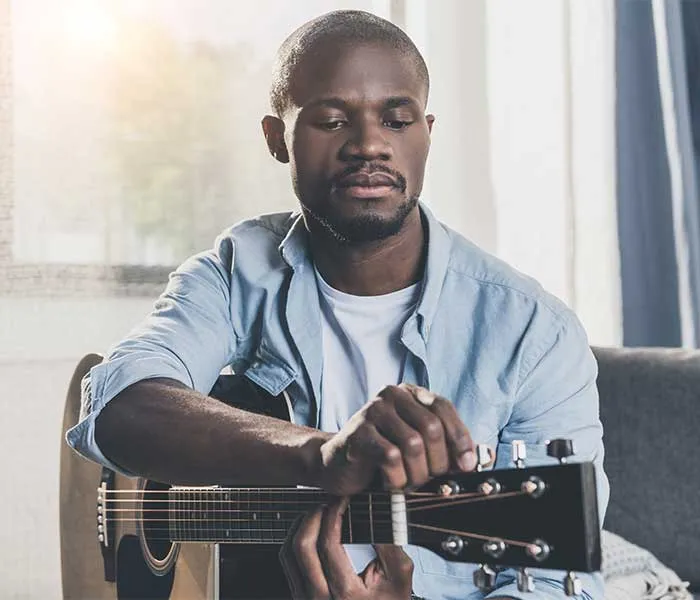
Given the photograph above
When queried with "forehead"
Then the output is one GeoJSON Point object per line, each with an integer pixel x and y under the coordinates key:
{"type": "Point", "coordinates": [356, 73]}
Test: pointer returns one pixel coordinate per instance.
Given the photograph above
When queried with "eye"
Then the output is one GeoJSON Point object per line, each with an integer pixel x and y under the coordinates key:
{"type": "Point", "coordinates": [396, 124]}
{"type": "Point", "coordinates": [333, 125]}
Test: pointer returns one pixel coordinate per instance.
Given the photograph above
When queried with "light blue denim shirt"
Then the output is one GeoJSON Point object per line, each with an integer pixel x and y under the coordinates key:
{"type": "Point", "coordinates": [514, 360]}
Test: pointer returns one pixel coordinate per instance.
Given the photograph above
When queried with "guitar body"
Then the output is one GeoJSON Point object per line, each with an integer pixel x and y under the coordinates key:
{"type": "Point", "coordinates": [125, 568]}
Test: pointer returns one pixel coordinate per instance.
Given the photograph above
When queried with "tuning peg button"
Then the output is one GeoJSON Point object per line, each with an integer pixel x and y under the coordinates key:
{"type": "Point", "coordinates": [453, 544]}
{"type": "Point", "coordinates": [483, 457]}
{"type": "Point", "coordinates": [485, 578]}
{"type": "Point", "coordinates": [572, 585]}
{"type": "Point", "coordinates": [518, 453]}
{"type": "Point", "coordinates": [526, 582]}
{"type": "Point", "coordinates": [561, 449]}
{"type": "Point", "coordinates": [494, 547]}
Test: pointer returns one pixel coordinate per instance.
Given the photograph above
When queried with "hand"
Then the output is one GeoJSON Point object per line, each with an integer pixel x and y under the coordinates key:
{"type": "Point", "coordinates": [317, 566]}
{"type": "Point", "coordinates": [407, 433]}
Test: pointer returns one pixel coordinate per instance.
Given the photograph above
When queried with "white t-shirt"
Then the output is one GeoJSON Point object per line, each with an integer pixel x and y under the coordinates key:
{"type": "Point", "coordinates": [362, 351]}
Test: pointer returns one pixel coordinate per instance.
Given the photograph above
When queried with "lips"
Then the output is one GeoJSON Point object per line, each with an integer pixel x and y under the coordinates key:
{"type": "Point", "coordinates": [367, 185]}
{"type": "Point", "coordinates": [367, 180]}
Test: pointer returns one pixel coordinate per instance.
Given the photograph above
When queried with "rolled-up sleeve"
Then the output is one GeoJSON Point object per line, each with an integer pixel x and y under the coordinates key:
{"type": "Point", "coordinates": [557, 398]}
{"type": "Point", "coordinates": [187, 337]}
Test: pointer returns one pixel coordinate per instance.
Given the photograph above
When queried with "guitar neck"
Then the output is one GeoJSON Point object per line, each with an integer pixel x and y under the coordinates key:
{"type": "Point", "coordinates": [265, 515]}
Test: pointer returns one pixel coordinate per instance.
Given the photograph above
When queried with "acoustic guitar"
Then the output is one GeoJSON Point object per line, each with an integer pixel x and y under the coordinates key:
{"type": "Point", "coordinates": [152, 540]}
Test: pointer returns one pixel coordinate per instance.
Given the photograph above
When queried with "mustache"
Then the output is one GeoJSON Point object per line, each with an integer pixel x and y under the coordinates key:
{"type": "Point", "coordinates": [369, 168]}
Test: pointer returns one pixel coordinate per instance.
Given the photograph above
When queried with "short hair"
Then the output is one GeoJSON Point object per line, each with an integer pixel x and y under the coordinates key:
{"type": "Point", "coordinates": [342, 26]}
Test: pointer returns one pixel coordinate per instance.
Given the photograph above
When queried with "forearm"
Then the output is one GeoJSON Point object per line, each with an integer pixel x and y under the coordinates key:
{"type": "Point", "coordinates": [165, 431]}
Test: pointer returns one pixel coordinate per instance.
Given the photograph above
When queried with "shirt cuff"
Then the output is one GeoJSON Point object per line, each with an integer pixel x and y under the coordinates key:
{"type": "Point", "coordinates": [104, 382]}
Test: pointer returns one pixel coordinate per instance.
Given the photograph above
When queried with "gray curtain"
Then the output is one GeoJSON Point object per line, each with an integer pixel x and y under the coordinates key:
{"type": "Point", "coordinates": [649, 245]}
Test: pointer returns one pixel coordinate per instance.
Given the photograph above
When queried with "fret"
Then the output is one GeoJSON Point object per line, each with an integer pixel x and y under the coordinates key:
{"type": "Point", "coordinates": [267, 522]}
{"type": "Point", "coordinates": [225, 510]}
{"type": "Point", "coordinates": [170, 508]}
{"type": "Point", "coordinates": [218, 514]}
{"type": "Point", "coordinates": [176, 516]}
{"type": "Point", "coordinates": [200, 521]}
{"type": "Point", "coordinates": [225, 515]}
{"type": "Point", "coordinates": [255, 501]}
{"type": "Point", "coordinates": [238, 515]}
{"type": "Point", "coordinates": [191, 523]}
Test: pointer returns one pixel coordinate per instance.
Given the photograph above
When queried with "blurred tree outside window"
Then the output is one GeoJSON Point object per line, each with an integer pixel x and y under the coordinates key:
{"type": "Point", "coordinates": [136, 125]}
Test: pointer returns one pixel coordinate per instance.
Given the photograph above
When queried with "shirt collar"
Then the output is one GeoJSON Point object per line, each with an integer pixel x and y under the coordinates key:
{"type": "Point", "coordinates": [294, 249]}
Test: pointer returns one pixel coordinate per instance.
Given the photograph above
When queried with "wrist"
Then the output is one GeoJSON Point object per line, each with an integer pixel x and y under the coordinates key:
{"type": "Point", "coordinates": [312, 466]}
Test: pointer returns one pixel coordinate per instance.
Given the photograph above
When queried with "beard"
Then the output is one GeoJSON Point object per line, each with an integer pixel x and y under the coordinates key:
{"type": "Point", "coordinates": [366, 226]}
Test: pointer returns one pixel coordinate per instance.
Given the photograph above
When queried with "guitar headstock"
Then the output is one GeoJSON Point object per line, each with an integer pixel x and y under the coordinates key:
{"type": "Point", "coordinates": [528, 517]}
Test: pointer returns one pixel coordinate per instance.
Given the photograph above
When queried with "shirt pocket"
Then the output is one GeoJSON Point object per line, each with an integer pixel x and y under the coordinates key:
{"type": "Point", "coordinates": [269, 371]}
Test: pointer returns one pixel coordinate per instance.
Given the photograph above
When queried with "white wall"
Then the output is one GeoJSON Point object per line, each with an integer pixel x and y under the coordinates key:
{"type": "Point", "coordinates": [41, 341]}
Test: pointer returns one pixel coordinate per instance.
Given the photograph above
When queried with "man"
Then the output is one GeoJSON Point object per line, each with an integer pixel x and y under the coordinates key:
{"type": "Point", "coordinates": [335, 307]}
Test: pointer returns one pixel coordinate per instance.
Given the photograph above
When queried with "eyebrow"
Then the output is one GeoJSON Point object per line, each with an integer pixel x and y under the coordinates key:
{"type": "Point", "coordinates": [335, 102]}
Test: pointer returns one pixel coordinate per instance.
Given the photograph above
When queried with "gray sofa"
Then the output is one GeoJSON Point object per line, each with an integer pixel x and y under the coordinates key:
{"type": "Point", "coordinates": [650, 409]}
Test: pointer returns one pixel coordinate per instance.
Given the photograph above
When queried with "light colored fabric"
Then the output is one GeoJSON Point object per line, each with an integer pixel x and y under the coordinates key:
{"type": "Point", "coordinates": [514, 360]}
{"type": "Point", "coordinates": [362, 350]}
{"type": "Point", "coordinates": [633, 573]}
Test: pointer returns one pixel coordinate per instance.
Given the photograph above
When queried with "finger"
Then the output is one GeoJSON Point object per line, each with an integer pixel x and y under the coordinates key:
{"type": "Point", "coordinates": [459, 441]}
{"type": "Point", "coordinates": [340, 574]}
{"type": "Point", "coordinates": [291, 569]}
{"type": "Point", "coordinates": [306, 554]}
{"type": "Point", "coordinates": [430, 428]}
{"type": "Point", "coordinates": [389, 423]}
{"type": "Point", "coordinates": [368, 445]}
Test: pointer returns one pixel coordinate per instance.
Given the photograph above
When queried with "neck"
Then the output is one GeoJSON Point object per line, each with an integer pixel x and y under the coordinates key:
{"type": "Point", "coordinates": [373, 268]}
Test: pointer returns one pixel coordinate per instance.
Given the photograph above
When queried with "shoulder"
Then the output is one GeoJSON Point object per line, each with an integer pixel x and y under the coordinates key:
{"type": "Point", "coordinates": [505, 290]}
{"type": "Point", "coordinates": [250, 246]}
{"type": "Point", "coordinates": [267, 229]}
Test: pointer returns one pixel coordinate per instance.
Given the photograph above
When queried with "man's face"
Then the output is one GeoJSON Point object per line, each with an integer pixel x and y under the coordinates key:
{"type": "Point", "coordinates": [359, 139]}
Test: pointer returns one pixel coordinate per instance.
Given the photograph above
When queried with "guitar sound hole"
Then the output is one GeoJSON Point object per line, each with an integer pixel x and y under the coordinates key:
{"type": "Point", "coordinates": [159, 551]}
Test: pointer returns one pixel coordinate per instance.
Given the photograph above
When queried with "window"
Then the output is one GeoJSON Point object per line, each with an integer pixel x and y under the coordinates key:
{"type": "Point", "coordinates": [136, 131]}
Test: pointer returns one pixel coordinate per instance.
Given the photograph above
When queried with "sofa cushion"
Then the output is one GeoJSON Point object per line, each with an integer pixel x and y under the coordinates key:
{"type": "Point", "coordinates": [650, 409]}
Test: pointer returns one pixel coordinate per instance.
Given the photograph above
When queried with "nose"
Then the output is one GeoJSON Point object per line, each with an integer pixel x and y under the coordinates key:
{"type": "Point", "coordinates": [367, 141]}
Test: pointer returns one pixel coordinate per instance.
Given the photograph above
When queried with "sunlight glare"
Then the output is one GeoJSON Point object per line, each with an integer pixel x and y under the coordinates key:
{"type": "Point", "coordinates": [90, 24]}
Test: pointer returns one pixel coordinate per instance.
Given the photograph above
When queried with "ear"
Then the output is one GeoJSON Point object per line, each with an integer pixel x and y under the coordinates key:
{"type": "Point", "coordinates": [430, 119]}
{"type": "Point", "coordinates": [273, 129]}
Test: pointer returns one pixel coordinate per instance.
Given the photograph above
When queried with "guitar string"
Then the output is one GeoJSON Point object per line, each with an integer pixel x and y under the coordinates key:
{"type": "Point", "coordinates": [478, 536]}
{"type": "Point", "coordinates": [439, 501]}
{"type": "Point", "coordinates": [470, 500]}
{"type": "Point", "coordinates": [203, 537]}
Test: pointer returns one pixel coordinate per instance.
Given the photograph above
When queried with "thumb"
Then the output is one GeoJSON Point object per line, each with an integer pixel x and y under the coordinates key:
{"type": "Point", "coordinates": [396, 564]}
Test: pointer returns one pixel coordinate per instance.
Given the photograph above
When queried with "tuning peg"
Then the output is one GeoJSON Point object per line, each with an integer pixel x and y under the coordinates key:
{"type": "Point", "coordinates": [526, 582]}
{"type": "Point", "coordinates": [485, 578]}
{"type": "Point", "coordinates": [572, 584]}
{"type": "Point", "coordinates": [561, 449]}
{"type": "Point", "coordinates": [518, 453]}
{"type": "Point", "coordinates": [449, 488]}
{"type": "Point", "coordinates": [483, 456]}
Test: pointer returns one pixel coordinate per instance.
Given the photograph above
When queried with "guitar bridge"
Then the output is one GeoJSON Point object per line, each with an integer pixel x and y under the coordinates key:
{"type": "Point", "coordinates": [105, 526]}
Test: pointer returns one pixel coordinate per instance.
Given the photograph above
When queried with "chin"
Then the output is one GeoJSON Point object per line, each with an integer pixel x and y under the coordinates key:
{"type": "Point", "coordinates": [368, 221]}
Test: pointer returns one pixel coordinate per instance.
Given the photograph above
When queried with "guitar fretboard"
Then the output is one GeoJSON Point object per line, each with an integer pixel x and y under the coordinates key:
{"type": "Point", "coordinates": [265, 515]}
